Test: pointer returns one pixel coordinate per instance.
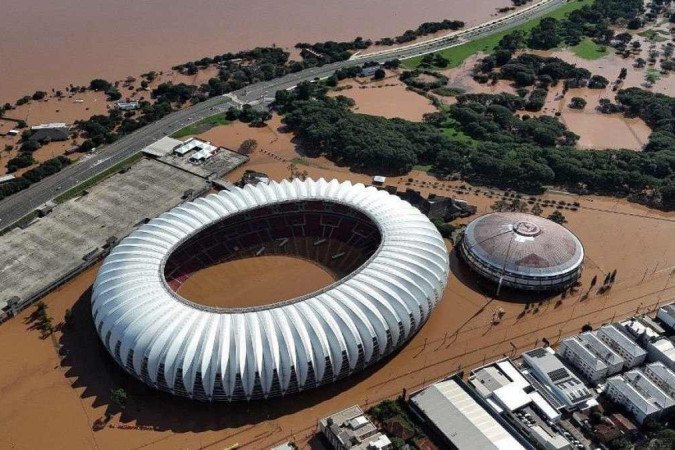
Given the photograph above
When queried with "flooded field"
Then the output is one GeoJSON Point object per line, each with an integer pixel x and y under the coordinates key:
{"type": "Point", "coordinates": [255, 281]}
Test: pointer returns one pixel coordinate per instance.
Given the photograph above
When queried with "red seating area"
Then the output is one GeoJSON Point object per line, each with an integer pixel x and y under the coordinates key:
{"type": "Point", "coordinates": [302, 223]}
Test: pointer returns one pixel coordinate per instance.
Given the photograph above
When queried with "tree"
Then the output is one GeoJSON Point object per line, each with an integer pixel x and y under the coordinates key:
{"type": "Point", "coordinates": [118, 397]}
{"type": "Point", "coordinates": [100, 85]}
{"type": "Point", "coordinates": [557, 217]}
{"type": "Point", "coordinates": [68, 317]}
{"type": "Point", "coordinates": [248, 146]}
{"type": "Point", "coordinates": [379, 74]}
{"type": "Point", "coordinates": [577, 103]}
{"type": "Point", "coordinates": [297, 173]}
{"type": "Point", "coordinates": [537, 210]}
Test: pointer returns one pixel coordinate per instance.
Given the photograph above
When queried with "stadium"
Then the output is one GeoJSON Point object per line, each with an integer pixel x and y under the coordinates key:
{"type": "Point", "coordinates": [391, 265]}
{"type": "Point", "coordinates": [522, 251]}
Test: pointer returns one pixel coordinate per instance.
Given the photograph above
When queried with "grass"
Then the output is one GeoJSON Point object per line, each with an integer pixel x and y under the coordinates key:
{"type": "Point", "coordinates": [458, 54]}
{"type": "Point", "coordinates": [77, 190]}
{"type": "Point", "coordinates": [654, 35]}
{"type": "Point", "coordinates": [450, 131]}
{"type": "Point", "coordinates": [201, 126]}
{"type": "Point", "coordinates": [587, 49]}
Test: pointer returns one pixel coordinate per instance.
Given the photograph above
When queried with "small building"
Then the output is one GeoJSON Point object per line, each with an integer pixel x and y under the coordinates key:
{"type": "Point", "coordinates": [254, 178]}
{"type": "Point", "coordinates": [44, 135]}
{"type": "Point", "coordinates": [203, 154]}
{"type": "Point", "coordinates": [193, 145]}
{"type": "Point", "coordinates": [462, 419]}
{"type": "Point", "coordinates": [632, 354]}
{"type": "Point", "coordinates": [436, 206]}
{"type": "Point", "coordinates": [379, 180]}
{"type": "Point", "coordinates": [351, 429]}
{"type": "Point", "coordinates": [638, 394]}
{"type": "Point", "coordinates": [666, 316]}
{"type": "Point", "coordinates": [13, 132]}
{"type": "Point", "coordinates": [45, 208]}
{"type": "Point", "coordinates": [642, 328]}
{"type": "Point", "coordinates": [6, 178]}
{"type": "Point", "coordinates": [49, 126]}
{"type": "Point", "coordinates": [128, 106]}
{"type": "Point", "coordinates": [661, 349]}
{"type": "Point", "coordinates": [558, 380]}
{"type": "Point", "coordinates": [162, 147]}
{"type": "Point", "coordinates": [369, 71]}
{"type": "Point", "coordinates": [308, 53]}
{"type": "Point", "coordinates": [591, 356]}
{"type": "Point", "coordinates": [662, 376]}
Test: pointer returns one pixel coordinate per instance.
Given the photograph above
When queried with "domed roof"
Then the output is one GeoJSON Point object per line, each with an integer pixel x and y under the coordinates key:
{"type": "Point", "coordinates": [162, 338]}
{"type": "Point", "coordinates": [523, 244]}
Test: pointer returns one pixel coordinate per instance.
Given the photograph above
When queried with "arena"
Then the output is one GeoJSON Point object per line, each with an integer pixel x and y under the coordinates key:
{"type": "Point", "coordinates": [389, 263]}
{"type": "Point", "coordinates": [522, 251]}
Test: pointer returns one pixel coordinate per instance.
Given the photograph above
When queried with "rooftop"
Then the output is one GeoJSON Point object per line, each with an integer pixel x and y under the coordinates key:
{"type": "Point", "coordinates": [162, 147]}
{"type": "Point", "coordinates": [461, 419]}
{"type": "Point", "coordinates": [665, 347]}
{"type": "Point", "coordinates": [621, 340]}
{"type": "Point", "coordinates": [353, 429]}
{"type": "Point", "coordinates": [641, 392]}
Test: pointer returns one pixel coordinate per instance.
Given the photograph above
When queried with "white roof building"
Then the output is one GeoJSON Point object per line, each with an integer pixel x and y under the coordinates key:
{"type": "Point", "coordinates": [213, 353]}
{"type": "Point", "coordinates": [666, 315]}
{"type": "Point", "coordinates": [631, 352]}
{"type": "Point", "coordinates": [47, 126]}
{"type": "Point", "coordinates": [350, 429]}
{"type": "Point", "coordinates": [662, 376]}
{"type": "Point", "coordinates": [194, 144]}
{"type": "Point", "coordinates": [460, 419]}
{"type": "Point", "coordinates": [162, 147]}
{"type": "Point", "coordinates": [558, 379]}
{"type": "Point", "coordinates": [637, 393]}
{"type": "Point", "coordinates": [590, 355]}
{"type": "Point", "coordinates": [662, 349]}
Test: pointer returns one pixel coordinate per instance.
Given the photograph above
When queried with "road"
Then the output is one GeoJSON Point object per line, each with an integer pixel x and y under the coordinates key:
{"type": "Point", "coordinates": [14, 207]}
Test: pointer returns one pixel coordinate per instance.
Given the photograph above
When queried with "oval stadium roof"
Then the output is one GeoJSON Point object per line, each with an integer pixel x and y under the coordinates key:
{"type": "Point", "coordinates": [229, 354]}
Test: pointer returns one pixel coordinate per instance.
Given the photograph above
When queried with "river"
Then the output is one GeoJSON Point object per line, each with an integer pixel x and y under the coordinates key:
{"type": "Point", "coordinates": [48, 44]}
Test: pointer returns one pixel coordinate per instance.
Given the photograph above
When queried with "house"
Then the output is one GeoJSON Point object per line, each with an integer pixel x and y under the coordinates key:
{"type": "Point", "coordinates": [46, 135]}
{"type": "Point", "coordinates": [591, 356]}
{"type": "Point", "coordinates": [632, 354]}
{"type": "Point", "coordinates": [638, 394]}
{"type": "Point", "coordinates": [351, 429]}
{"type": "Point", "coordinates": [369, 71]}
{"type": "Point", "coordinates": [661, 349]}
{"type": "Point", "coordinates": [128, 106]}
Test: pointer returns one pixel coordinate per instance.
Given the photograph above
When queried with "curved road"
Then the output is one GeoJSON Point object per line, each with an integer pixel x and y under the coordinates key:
{"type": "Point", "coordinates": [22, 203]}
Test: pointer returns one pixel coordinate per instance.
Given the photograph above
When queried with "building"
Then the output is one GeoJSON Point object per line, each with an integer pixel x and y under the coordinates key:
{"type": "Point", "coordinates": [283, 347]}
{"type": "Point", "coordinates": [49, 126]}
{"type": "Point", "coordinates": [194, 145]}
{"type": "Point", "coordinates": [253, 177]}
{"type": "Point", "coordinates": [661, 349]}
{"type": "Point", "coordinates": [369, 71]}
{"type": "Point", "coordinates": [632, 354]}
{"type": "Point", "coordinates": [662, 376]}
{"type": "Point", "coordinates": [379, 180]}
{"type": "Point", "coordinates": [44, 135]}
{"type": "Point", "coordinates": [522, 251]}
{"type": "Point", "coordinates": [436, 206]}
{"type": "Point", "coordinates": [666, 315]}
{"type": "Point", "coordinates": [642, 329]}
{"type": "Point", "coordinates": [351, 429]}
{"type": "Point", "coordinates": [638, 394]}
{"type": "Point", "coordinates": [591, 356]}
{"type": "Point", "coordinates": [162, 147]}
{"type": "Point", "coordinates": [203, 154]}
{"type": "Point", "coordinates": [128, 106]}
{"type": "Point", "coordinates": [462, 419]}
{"type": "Point", "coordinates": [308, 53]}
{"type": "Point", "coordinates": [6, 178]}
{"type": "Point", "coordinates": [557, 379]}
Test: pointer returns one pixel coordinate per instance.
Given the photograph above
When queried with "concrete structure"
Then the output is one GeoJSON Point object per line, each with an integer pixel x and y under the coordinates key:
{"type": "Point", "coordinates": [394, 267]}
{"type": "Point", "coordinates": [162, 147]}
{"type": "Point", "coordinates": [632, 354]}
{"type": "Point", "coordinates": [506, 389]}
{"type": "Point", "coordinates": [351, 429]}
{"type": "Point", "coordinates": [462, 419]}
{"type": "Point", "coordinates": [661, 349]}
{"type": "Point", "coordinates": [638, 394]}
{"type": "Point", "coordinates": [522, 251]}
{"type": "Point", "coordinates": [662, 376]}
{"type": "Point", "coordinates": [436, 206]}
{"type": "Point", "coordinates": [37, 257]}
{"type": "Point", "coordinates": [666, 315]}
{"type": "Point", "coordinates": [591, 356]}
{"type": "Point", "coordinates": [203, 159]}
{"type": "Point", "coordinates": [128, 106]}
{"type": "Point", "coordinates": [571, 392]}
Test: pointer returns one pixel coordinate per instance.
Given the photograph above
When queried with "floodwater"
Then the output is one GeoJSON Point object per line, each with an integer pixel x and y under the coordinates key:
{"type": "Point", "coordinates": [255, 281]}
{"type": "Point", "coordinates": [47, 44]}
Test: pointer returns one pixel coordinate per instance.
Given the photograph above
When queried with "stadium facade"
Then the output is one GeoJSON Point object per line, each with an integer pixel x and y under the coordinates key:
{"type": "Point", "coordinates": [522, 251]}
{"type": "Point", "coordinates": [393, 268]}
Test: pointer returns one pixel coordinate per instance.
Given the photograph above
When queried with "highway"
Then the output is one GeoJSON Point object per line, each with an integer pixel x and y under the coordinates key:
{"type": "Point", "coordinates": [16, 206]}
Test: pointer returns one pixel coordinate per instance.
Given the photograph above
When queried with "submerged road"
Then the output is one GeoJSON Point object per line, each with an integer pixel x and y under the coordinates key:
{"type": "Point", "coordinates": [16, 206]}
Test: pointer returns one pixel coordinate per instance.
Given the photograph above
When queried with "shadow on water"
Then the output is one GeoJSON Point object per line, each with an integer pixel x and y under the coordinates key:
{"type": "Point", "coordinates": [89, 367]}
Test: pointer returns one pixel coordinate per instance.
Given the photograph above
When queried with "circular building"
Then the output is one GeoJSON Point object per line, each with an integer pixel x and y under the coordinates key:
{"type": "Point", "coordinates": [522, 251]}
{"type": "Point", "coordinates": [392, 266]}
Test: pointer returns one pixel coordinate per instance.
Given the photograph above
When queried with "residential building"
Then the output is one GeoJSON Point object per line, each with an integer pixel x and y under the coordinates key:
{"type": "Point", "coordinates": [463, 419]}
{"type": "Point", "coordinates": [591, 356]}
{"type": "Point", "coordinates": [662, 376]}
{"type": "Point", "coordinates": [45, 135]}
{"type": "Point", "coordinates": [128, 106]}
{"type": "Point", "coordinates": [632, 354]}
{"type": "Point", "coordinates": [351, 429]}
{"type": "Point", "coordinates": [557, 379]}
{"type": "Point", "coordinates": [661, 349]}
{"type": "Point", "coordinates": [638, 394]}
{"type": "Point", "coordinates": [666, 315]}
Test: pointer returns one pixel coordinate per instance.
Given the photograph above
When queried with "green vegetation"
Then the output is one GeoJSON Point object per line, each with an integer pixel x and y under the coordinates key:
{"type": "Point", "coordinates": [588, 49]}
{"type": "Point", "coordinates": [654, 35]}
{"type": "Point", "coordinates": [457, 55]}
{"type": "Point", "coordinates": [80, 188]}
{"type": "Point", "coordinates": [201, 126]}
{"type": "Point", "coordinates": [49, 167]}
